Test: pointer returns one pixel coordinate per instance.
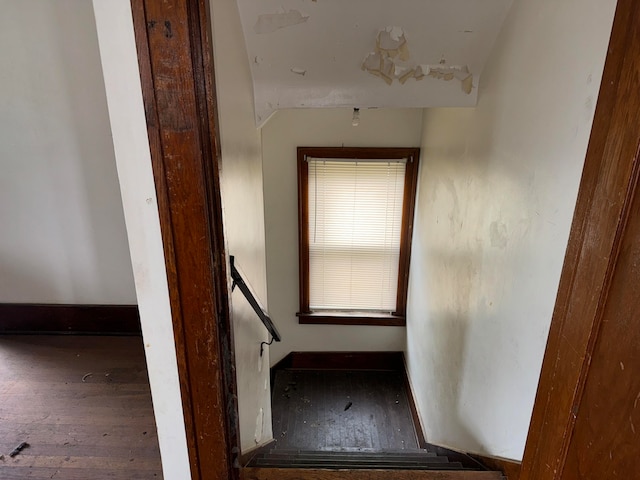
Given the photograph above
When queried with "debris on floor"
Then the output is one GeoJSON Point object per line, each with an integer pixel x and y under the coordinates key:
{"type": "Point", "coordinates": [18, 449]}
{"type": "Point", "coordinates": [325, 403]}
{"type": "Point", "coordinates": [84, 379]}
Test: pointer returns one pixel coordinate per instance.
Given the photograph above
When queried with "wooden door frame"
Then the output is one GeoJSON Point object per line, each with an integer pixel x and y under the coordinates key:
{"type": "Point", "coordinates": [175, 58]}
{"type": "Point", "coordinates": [609, 178]}
{"type": "Point", "coordinates": [176, 69]}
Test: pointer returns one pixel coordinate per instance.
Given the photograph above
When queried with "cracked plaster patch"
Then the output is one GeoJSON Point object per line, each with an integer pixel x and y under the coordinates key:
{"type": "Point", "coordinates": [390, 61]}
{"type": "Point", "coordinates": [270, 22]}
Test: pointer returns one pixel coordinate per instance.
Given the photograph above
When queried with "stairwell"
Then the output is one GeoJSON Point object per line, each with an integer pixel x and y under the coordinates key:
{"type": "Point", "coordinates": [349, 415]}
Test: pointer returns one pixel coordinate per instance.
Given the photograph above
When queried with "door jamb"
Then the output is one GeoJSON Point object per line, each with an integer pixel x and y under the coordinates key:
{"type": "Point", "coordinates": [176, 68]}
{"type": "Point", "coordinates": [175, 58]}
{"type": "Point", "coordinates": [609, 177]}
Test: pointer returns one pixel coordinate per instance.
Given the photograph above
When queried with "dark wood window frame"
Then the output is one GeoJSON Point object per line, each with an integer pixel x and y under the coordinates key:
{"type": "Point", "coordinates": [397, 318]}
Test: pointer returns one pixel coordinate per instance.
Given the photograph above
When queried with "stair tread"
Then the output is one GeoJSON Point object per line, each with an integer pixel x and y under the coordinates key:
{"type": "Point", "coordinates": [356, 465]}
{"type": "Point", "coordinates": [355, 460]}
{"type": "Point", "coordinates": [354, 451]}
{"type": "Point", "coordinates": [428, 460]}
{"type": "Point", "coordinates": [408, 454]}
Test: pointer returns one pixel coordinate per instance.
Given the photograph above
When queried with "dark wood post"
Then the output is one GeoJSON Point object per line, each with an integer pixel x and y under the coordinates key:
{"type": "Point", "coordinates": [176, 69]}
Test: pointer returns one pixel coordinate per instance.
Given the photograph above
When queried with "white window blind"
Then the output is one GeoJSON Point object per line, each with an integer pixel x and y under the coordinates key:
{"type": "Point", "coordinates": [355, 220]}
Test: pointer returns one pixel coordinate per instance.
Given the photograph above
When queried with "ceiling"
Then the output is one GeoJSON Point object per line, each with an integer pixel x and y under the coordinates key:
{"type": "Point", "coordinates": [368, 53]}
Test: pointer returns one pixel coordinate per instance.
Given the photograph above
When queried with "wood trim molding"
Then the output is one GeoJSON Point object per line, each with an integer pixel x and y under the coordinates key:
{"type": "Point", "coordinates": [177, 76]}
{"type": "Point", "coordinates": [351, 318]}
{"type": "Point", "coordinates": [388, 361]}
{"type": "Point", "coordinates": [606, 189]}
{"type": "Point", "coordinates": [413, 406]}
{"type": "Point", "coordinates": [303, 232]}
{"type": "Point", "coordinates": [408, 214]}
{"type": "Point", "coordinates": [31, 318]}
{"type": "Point", "coordinates": [356, 153]}
{"type": "Point", "coordinates": [510, 468]}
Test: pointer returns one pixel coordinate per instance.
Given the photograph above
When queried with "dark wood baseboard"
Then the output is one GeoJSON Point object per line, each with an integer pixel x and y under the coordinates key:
{"type": "Point", "coordinates": [28, 318]}
{"type": "Point", "coordinates": [387, 361]}
{"type": "Point", "coordinates": [422, 440]}
{"type": "Point", "coordinates": [510, 468]}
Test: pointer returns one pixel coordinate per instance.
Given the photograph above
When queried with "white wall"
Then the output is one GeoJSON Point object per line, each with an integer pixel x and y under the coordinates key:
{"type": "Point", "coordinates": [63, 236]}
{"type": "Point", "coordinates": [282, 134]}
{"type": "Point", "coordinates": [241, 182]}
{"type": "Point", "coordinates": [497, 190]}
{"type": "Point", "coordinates": [128, 124]}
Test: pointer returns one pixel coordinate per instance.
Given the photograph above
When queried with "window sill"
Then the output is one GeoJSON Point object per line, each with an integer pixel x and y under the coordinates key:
{"type": "Point", "coordinates": [351, 318]}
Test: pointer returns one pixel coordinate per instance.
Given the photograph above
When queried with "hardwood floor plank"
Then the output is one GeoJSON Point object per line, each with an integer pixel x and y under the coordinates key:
{"type": "Point", "coordinates": [53, 473]}
{"type": "Point", "coordinates": [336, 409]}
{"type": "Point", "coordinates": [99, 428]}
{"type": "Point", "coordinates": [123, 462]}
{"type": "Point", "coordinates": [87, 450]}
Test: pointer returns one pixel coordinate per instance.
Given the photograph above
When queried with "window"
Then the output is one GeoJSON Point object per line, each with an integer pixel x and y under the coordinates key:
{"type": "Point", "coordinates": [355, 216]}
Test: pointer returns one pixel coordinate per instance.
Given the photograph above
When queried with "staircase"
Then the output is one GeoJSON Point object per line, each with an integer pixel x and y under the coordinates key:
{"type": "Point", "coordinates": [267, 464]}
{"type": "Point", "coordinates": [349, 416]}
{"type": "Point", "coordinates": [383, 460]}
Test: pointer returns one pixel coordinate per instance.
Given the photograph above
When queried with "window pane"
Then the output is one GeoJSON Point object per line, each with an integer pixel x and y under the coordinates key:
{"type": "Point", "coordinates": [355, 219]}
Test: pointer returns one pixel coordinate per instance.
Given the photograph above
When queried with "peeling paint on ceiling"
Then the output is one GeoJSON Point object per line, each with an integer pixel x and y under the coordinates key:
{"type": "Point", "coordinates": [368, 53]}
{"type": "Point", "coordinates": [390, 61]}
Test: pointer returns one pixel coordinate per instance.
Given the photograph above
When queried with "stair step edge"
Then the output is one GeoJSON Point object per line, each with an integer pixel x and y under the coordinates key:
{"type": "Point", "coordinates": [416, 453]}
{"type": "Point", "coordinates": [450, 468]}
{"type": "Point", "coordinates": [436, 460]}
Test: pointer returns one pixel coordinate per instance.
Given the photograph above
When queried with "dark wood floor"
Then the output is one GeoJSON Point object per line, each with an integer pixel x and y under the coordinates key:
{"type": "Point", "coordinates": [82, 403]}
{"type": "Point", "coordinates": [341, 410]}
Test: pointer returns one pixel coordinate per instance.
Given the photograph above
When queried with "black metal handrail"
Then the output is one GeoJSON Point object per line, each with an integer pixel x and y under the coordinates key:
{"type": "Point", "coordinates": [245, 288]}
